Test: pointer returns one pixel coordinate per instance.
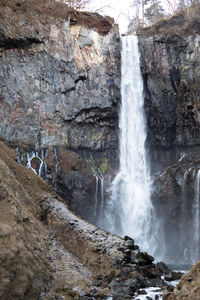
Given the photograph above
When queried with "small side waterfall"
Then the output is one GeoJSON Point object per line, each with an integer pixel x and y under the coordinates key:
{"type": "Point", "coordinates": [56, 167]}
{"type": "Point", "coordinates": [30, 156]}
{"type": "Point", "coordinates": [179, 233]}
{"type": "Point", "coordinates": [129, 210]}
{"type": "Point", "coordinates": [184, 216]}
{"type": "Point", "coordinates": [99, 190]}
{"type": "Point", "coordinates": [196, 220]}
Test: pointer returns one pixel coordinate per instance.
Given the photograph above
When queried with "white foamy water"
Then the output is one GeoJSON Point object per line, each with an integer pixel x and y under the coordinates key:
{"type": "Point", "coordinates": [130, 205]}
{"type": "Point", "coordinates": [196, 221]}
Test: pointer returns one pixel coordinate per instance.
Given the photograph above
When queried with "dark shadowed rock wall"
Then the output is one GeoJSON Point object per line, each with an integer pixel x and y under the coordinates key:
{"type": "Point", "coordinates": [170, 63]}
{"type": "Point", "coordinates": [170, 66]}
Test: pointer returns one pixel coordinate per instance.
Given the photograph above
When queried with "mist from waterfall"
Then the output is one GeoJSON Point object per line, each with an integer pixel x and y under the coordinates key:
{"type": "Point", "coordinates": [129, 211]}
{"type": "Point", "coordinates": [179, 236]}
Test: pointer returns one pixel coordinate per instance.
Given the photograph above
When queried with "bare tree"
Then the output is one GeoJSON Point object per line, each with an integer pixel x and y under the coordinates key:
{"type": "Point", "coordinates": [140, 10]}
{"type": "Point", "coordinates": [77, 4]}
{"type": "Point", "coordinates": [155, 11]}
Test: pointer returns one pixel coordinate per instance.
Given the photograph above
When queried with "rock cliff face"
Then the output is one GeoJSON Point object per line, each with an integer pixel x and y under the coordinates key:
{"type": "Point", "coordinates": [60, 87]}
{"type": "Point", "coordinates": [170, 63]}
{"type": "Point", "coordinates": [170, 66]}
{"type": "Point", "coordinates": [175, 196]}
{"type": "Point", "coordinates": [59, 83]}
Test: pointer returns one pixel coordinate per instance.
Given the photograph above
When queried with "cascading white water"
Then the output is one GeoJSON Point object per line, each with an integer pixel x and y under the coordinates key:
{"type": "Point", "coordinates": [130, 199]}
{"type": "Point", "coordinates": [99, 194]}
{"type": "Point", "coordinates": [196, 220]}
{"type": "Point", "coordinates": [56, 167]}
{"type": "Point", "coordinates": [183, 242]}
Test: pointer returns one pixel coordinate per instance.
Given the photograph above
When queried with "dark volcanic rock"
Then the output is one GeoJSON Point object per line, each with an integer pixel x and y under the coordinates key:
{"type": "Point", "coordinates": [80, 178]}
{"type": "Point", "coordinates": [74, 181]}
{"type": "Point", "coordinates": [173, 196]}
{"type": "Point", "coordinates": [170, 63]}
{"type": "Point", "coordinates": [170, 66]}
{"type": "Point", "coordinates": [60, 87]}
{"type": "Point", "coordinates": [59, 83]}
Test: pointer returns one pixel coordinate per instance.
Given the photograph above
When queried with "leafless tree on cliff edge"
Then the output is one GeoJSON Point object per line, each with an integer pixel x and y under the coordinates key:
{"type": "Point", "coordinates": [77, 4]}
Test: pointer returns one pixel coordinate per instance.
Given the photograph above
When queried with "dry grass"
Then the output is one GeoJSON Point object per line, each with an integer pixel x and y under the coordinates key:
{"type": "Point", "coordinates": [60, 10]}
{"type": "Point", "coordinates": [184, 21]}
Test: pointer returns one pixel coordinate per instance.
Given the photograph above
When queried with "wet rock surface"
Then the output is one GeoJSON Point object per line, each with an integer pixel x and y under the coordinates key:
{"type": "Point", "coordinates": [175, 199]}
{"type": "Point", "coordinates": [170, 67]}
{"type": "Point", "coordinates": [80, 178]}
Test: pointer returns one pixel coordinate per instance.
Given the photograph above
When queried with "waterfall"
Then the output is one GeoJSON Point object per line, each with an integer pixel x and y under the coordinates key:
{"type": "Point", "coordinates": [30, 156]}
{"type": "Point", "coordinates": [130, 204]}
{"type": "Point", "coordinates": [56, 167]}
{"type": "Point", "coordinates": [99, 194]}
{"type": "Point", "coordinates": [179, 236]}
{"type": "Point", "coordinates": [96, 194]}
{"type": "Point", "coordinates": [183, 242]}
{"type": "Point", "coordinates": [196, 221]}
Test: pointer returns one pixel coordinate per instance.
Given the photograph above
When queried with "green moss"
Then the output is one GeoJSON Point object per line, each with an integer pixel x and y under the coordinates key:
{"type": "Point", "coordinates": [104, 166]}
{"type": "Point", "coordinates": [92, 164]}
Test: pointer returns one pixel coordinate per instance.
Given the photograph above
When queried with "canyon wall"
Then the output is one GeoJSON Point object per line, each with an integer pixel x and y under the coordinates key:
{"type": "Point", "coordinates": [59, 92]}
{"type": "Point", "coordinates": [170, 63]}
{"type": "Point", "coordinates": [170, 66]}
{"type": "Point", "coordinates": [59, 83]}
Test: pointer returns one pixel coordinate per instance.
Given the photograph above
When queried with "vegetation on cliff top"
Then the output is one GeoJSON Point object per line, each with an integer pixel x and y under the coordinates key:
{"type": "Point", "coordinates": [151, 12]}
{"type": "Point", "coordinates": [185, 21]}
{"type": "Point", "coordinates": [61, 10]}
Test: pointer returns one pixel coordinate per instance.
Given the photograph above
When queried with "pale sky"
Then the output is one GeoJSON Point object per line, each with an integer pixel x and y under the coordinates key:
{"type": "Point", "coordinates": [119, 10]}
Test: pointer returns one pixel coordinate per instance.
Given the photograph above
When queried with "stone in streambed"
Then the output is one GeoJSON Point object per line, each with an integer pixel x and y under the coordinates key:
{"type": "Point", "coordinates": [163, 267]}
{"type": "Point", "coordinates": [144, 258]}
{"type": "Point", "coordinates": [130, 244]}
{"type": "Point", "coordinates": [128, 238]}
{"type": "Point", "coordinates": [171, 276]}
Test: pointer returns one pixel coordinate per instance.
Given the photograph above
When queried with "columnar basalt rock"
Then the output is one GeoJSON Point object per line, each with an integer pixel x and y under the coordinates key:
{"type": "Point", "coordinates": [170, 63]}
{"type": "Point", "coordinates": [59, 83]}
{"type": "Point", "coordinates": [170, 67]}
{"type": "Point", "coordinates": [60, 87]}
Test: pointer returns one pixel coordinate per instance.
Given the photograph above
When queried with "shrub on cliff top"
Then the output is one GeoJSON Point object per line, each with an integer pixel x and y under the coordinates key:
{"type": "Point", "coordinates": [185, 22]}
{"type": "Point", "coordinates": [77, 4]}
{"type": "Point", "coordinates": [63, 10]}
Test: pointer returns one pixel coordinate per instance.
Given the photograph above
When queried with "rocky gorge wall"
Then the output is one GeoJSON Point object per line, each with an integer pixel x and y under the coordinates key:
{"type": "Point", "coordinates": [170, 65]}
{"type": "Point", "coordinates": [59, 83]}
{"type": "Point", "coordinates": [60, 89]}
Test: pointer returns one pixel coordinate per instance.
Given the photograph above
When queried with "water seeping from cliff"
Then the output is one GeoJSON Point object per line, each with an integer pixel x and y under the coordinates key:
{"type": "Point", "coordinates": [99, 204]}
{"type": "Point", "coordinates": [129, 210]}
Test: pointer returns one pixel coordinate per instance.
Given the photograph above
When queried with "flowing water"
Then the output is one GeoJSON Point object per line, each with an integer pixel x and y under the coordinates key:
{"type": "Point", "coordinates": [98, 210]}
{"type": "Point", "coordinates": [184, 247]}
{"type": "Point", "coordinates": [196, 221]}
{"type": "Point", "coordinates": [129, 210]}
